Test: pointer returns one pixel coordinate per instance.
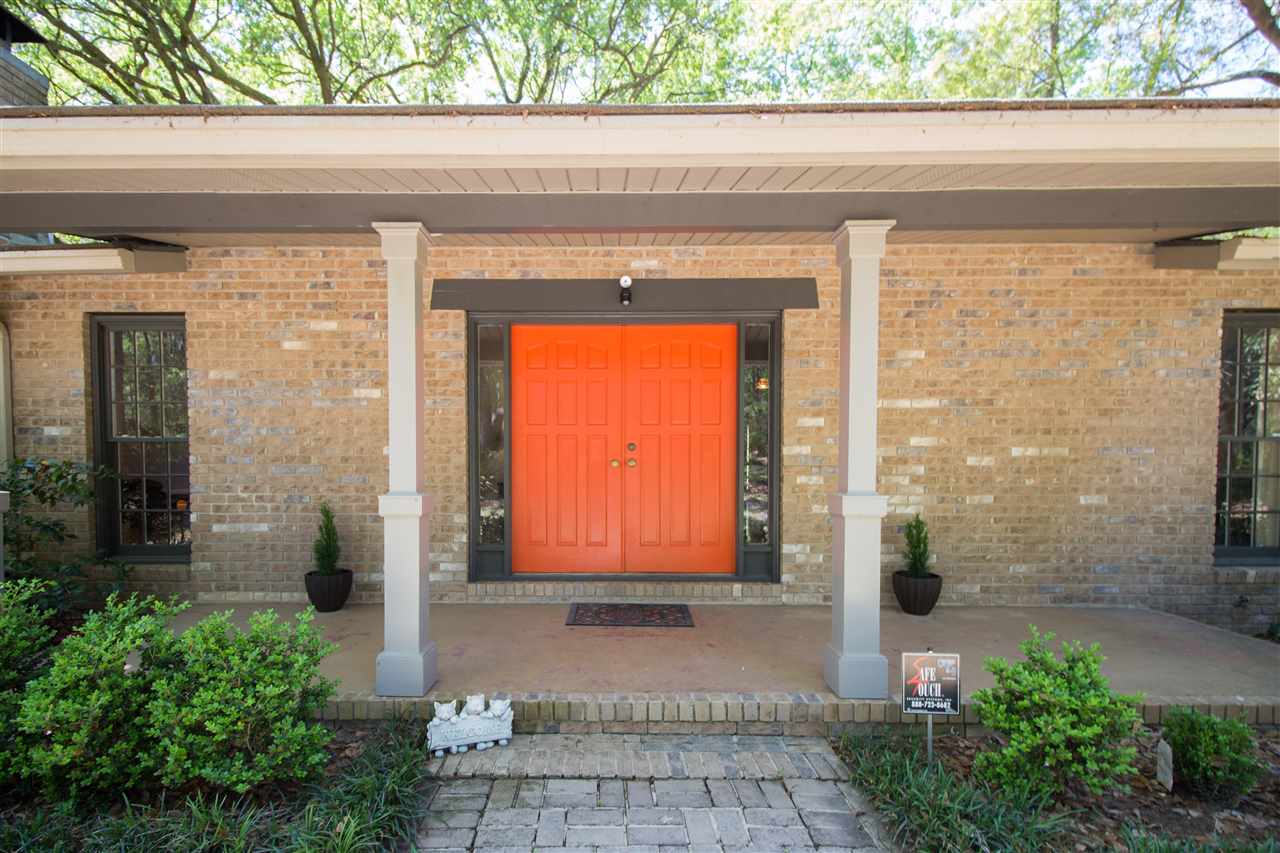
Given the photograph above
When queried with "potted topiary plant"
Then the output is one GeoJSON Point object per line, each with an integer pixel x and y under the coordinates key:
{"type": "Point", "coordinates": [327, 585]}
{"type": "Point", "coordinates": [916, 587]}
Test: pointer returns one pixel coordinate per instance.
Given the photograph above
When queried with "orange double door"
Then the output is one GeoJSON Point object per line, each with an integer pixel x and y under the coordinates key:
{"type": "Point", "coordinates": [623, 441]}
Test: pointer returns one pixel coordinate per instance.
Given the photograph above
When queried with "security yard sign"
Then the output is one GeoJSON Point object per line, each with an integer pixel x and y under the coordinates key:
{"type": "Point", "coordinates": [930, 683]}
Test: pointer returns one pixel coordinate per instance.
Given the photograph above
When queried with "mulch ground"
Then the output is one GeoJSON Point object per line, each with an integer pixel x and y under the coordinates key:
{"type": "Point", "coordinates": [1147, 805]}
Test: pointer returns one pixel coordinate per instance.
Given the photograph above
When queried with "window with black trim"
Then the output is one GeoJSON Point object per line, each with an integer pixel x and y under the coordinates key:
{"type": "Point", "coordinates": [1248, 495]}
{"type": "Point", "coordinates": [140, 388]}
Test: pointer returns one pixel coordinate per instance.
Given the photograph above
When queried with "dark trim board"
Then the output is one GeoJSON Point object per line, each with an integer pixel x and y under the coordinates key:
{"type": "Point", "coordinates": [598, 296]}
{"type": "Point", "coordinates": [1197, 209]}
{"type": "Point", "coordinates": [755, 563]}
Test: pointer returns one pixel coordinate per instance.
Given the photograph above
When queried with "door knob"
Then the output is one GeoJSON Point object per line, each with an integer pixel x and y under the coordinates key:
{"type": "Point", "coordinates": [631, 463]}
{"type": "Point", "coordinates": [614, 463]}
{"type": "Point", "coordinates": [631, 445]}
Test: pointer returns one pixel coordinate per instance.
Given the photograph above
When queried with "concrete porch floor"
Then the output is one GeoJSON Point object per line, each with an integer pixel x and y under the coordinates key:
{"type": "Point", "coordinates": [745, 649]}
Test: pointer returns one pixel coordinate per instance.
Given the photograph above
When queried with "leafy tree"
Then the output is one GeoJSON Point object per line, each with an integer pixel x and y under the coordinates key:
{"type": "Point", "coordinates": [640, 51]}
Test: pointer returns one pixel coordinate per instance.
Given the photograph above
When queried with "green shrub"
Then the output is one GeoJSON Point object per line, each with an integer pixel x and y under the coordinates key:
{"type": "Point", "coordinates": [85, 717]}
{"type": "Point", "coordinates": [1213, 758]}
{"type": "Point", "coordinates": [916, 533]}
{"type": "Point", "coordinates": [25, 635]}
{"type": "Point", "coordinates": [237, 712]}
{"type": "Point", "coordinates": [37, 541]}
{"type": "Point", "coordinates": [930, 808]}
{"type": "Point", "coordinates": [326, 549]}
{"type": "Point", "coordinates": [1059, 721]}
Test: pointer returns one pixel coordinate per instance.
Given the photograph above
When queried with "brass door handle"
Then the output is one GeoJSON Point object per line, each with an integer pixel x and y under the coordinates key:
{"type": "Point", "coordinates": [614, 463]}
{"type": "Point", "coordinates": [631, 463]}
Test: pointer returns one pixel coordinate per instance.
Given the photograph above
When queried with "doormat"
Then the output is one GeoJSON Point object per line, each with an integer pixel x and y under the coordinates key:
{"type": "Point", "coordinates": [631, 615]}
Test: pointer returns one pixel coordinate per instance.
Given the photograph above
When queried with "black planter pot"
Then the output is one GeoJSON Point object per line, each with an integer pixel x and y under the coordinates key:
{"type": "Point", "coordinates": [329, 592]}
{"type": "Point", "coordinates": [917, 595]}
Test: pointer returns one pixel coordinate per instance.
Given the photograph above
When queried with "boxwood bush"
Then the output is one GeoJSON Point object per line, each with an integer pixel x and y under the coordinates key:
{"type": "Point", "coordinates": [1058, 720]}
{"type": "Point", "coordinates": [1212, 758]}
{"type": "Point", "coordinates": [25, 635]}
{"type": "Point", "coordinates": [124, 704]}
{"type": "Point", "coordinates": [237, 712]}
{"type": "Point", "coordinates": [84, 720]}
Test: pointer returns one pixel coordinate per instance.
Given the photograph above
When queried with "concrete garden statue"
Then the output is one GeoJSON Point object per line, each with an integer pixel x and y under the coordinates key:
{"type": "Point", "coordinates": [917, 588]}
{"type": "Point", "coordinates": [475, 726]}
{"type": "Point", "coordinates": [327, 585]}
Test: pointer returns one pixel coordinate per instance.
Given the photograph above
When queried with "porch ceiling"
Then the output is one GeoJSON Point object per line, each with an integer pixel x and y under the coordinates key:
{"type": "Point", "coordinates": [1137, 171]}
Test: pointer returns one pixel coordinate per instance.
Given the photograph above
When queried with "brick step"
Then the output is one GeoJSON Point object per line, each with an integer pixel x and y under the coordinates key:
{"type": "Point", "coordinates": [767, 714]}
{"type": "Point", "coordinates": [610, 756]}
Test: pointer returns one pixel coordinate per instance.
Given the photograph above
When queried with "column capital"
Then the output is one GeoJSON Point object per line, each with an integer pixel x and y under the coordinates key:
{"type": "Point", "coordinates": [863, 237]}
{"type": "Point", "coordinates": [403, 241]}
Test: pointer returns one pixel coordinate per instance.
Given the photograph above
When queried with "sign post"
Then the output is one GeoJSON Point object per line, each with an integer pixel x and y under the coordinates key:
{"type": "Point", "coordinates": [930, 686]}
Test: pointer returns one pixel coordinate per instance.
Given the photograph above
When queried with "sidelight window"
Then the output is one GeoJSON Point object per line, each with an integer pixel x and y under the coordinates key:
{"type": "Point", "coordinates": [491, 438]}
{"type": "Point", "coordinates": [757, 430]}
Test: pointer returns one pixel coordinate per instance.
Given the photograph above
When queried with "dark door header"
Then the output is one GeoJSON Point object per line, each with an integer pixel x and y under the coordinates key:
{"type": "Point", "coordinates": [600, 295]}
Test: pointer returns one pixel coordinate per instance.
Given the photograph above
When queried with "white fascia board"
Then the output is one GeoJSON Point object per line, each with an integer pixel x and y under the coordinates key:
{"type": "Point", "coordinates": [353, 141]}
{"type": "Point", "coordinates": [111, 260]}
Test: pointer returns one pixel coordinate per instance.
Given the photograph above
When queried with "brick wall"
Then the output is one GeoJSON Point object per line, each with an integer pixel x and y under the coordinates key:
{"type": "Point", "coordinates": [1050, 410]}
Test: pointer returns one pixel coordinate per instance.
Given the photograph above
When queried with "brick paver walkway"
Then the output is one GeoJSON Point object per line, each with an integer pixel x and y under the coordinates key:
{"type": "Point", "coordinates": [526, 811]}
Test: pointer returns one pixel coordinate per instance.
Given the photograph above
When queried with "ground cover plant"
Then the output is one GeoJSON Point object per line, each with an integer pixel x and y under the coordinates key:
{"type": "Point", "coordinates": [932, 808]}
{"type": "Point", "coordinates": [1138, 841]}
{"type": "Point", "coordinates": [371, 801]}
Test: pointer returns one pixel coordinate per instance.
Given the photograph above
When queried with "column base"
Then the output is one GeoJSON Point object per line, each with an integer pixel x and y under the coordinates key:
{"type": "Point", "coordinates": [856, 676]}
{"type": "Point", "coordinates": [406, 673]}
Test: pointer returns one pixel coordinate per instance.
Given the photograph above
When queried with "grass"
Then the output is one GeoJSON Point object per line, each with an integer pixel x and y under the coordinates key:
{"type": "Point", "coordinates": [373, 803]}
{"type": "Point", "coordinates": [1137, 841]}
{"type": "Point", "coordinates": [930, 808]}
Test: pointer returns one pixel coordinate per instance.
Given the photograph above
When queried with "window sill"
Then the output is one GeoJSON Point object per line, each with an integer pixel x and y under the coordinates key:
{"type": "Point", "coordinates": [1265, 563]}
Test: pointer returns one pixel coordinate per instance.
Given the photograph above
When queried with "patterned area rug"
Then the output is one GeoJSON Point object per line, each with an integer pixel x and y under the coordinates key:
{"type": "Point", "coordinates": [631, 615]}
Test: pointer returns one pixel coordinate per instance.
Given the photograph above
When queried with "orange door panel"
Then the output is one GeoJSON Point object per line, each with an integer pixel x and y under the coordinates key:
{"type": "Point", "coordinates": [680, 414]}
{"type": "Point", "coordinates": [566, 401]}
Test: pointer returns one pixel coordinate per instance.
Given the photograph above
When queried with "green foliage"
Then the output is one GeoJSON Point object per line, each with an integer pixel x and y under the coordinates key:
{"type": "Point", "coordinates": [639, 51]}
{"type": "Point", "coordinates": [1138, 841]}
{"type": "Point", "coordinates": [1059, 721]}
{"type": "Point", "coordinates": [1213, 758]}
{"type": "Point", "coordinates": [84, 719]}
{"type": "Point", "coordinates": [236, 713]}
{"type": "Point", "coordinates": [25, 635]}
{"type": "Point", "coordinates": [931, 808]}
{"type": "Point", "coordinates": [36, 534]}
{"type": "Point", "coordinates": [916, 533]}
{"type": "Point", "coordinates": [375, 802]}
{"type": "Point", "coordinates": [326, 548]}
{"type": "Point", "coordinates": [124, 703]}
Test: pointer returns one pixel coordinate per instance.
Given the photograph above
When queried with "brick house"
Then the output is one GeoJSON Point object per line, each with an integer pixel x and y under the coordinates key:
{"type": "Point", "coordinates": [838, 316]}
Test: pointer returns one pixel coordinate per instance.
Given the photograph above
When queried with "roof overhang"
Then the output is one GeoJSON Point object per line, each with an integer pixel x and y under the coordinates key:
{"type": "Point", "coordinates": [1240, 253]}
{"type": "Point", "coordinates": [1167, 169]}
{"type": "Point", "coordinates": [91, 259]}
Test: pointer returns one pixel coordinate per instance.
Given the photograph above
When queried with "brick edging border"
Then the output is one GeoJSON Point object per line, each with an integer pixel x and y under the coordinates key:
{"type": "Point", "coordinates": [788, 714]}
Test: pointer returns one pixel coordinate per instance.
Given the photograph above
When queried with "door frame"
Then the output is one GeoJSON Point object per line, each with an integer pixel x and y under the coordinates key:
{"type": "Point", "coordinates": [753, 563]}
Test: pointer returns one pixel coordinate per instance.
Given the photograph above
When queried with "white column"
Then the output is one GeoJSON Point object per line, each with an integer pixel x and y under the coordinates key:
{"type": "Point", "coordinates": [407, 662]}
{"type": "Point", "coordinates": [853, 666]}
